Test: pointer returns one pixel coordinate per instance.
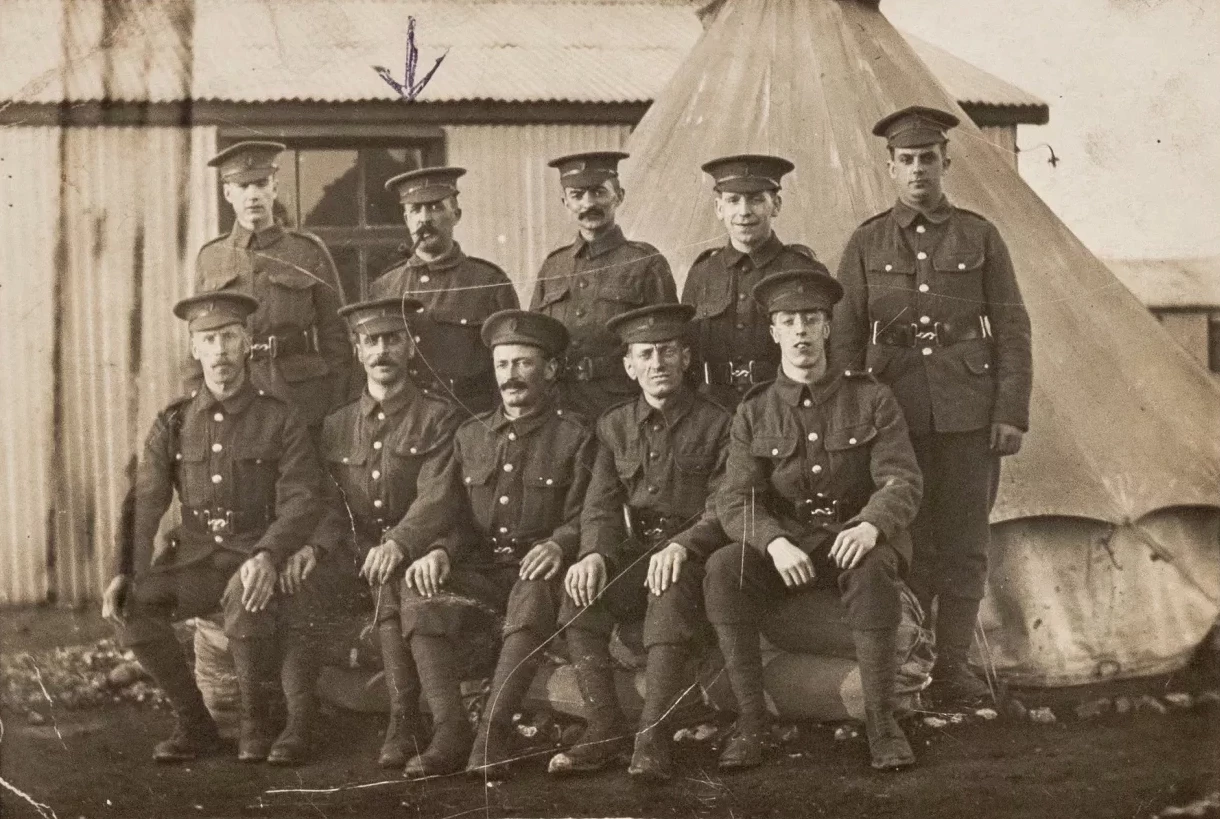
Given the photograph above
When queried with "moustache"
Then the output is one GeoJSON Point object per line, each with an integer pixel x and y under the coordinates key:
{"type": "Point", "coordinates": [514, 384]}
{"type": "Point", "coordinates": [424, 232]}
{"type": "Point", "coordinates": [382, 361]}
{"type": "Point", "coordinates": [587, 212]}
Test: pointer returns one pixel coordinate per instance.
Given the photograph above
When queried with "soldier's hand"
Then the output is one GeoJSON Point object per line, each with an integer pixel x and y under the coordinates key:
{"type": "Point", "coordinates": [428, 574]}
{"type": "Point", "coordinates": [793, 565]}
{"type": "Point", "coordinates": [1005, 439]}
{"type": "Point", "coordinates": [258, 576]}
{"type": "Point", "coordinates": [664, 567]}
{"type": "Point", "coordinates": [542, 561]}
{"type": "Point", "coordinates": [114, 600]}
{"type": "Point", "coordinates": [853, 544]}
{"type": "Point", "coordinates": [298, 567]}
{"type": "Point", "coordinates": [381, 561]}
{"type": "Point", "coordinates": [586, 579]}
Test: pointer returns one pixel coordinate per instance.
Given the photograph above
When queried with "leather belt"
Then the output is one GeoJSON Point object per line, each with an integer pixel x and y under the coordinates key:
{"type": "Point", "coordinates": [219, 521]}
{"type": "Point", "coordinates": [506, 549]}
{"type": "Point", "coordinates": [592, 367]}
{"type": "Point", "coordinates": [739, 373]}
{"type": "Point", "coordinates": [819, 510]}
{"type": "Point", "coordinates": [288, 342]}
{"type": "Point", "coordinates": [936, 333]}
{"type": "Point", "coordinates": [650, 526]}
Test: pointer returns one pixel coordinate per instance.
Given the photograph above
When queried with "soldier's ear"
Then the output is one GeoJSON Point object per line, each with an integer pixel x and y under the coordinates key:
{"type": "Point", "coordinates": [778, 203]}
{"type": "Point", "coordinates": [686, 357]}
{"type": "Point", "coordinates": [550, 369]}
{"type": "Point", "coordinates": [628, 365]}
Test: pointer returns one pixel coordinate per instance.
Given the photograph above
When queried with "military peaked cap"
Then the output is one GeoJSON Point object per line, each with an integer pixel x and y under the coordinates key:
{"type": "Point", "coordinates": [247, 162]}
{"type": "Point", "coordinates": [915, 126]}
{"type": "Point", "coordinates": [524, 327]}
{"type": "Point", "coordinates": [747, 173]}
{"type": "Point", "coordinates": [588, 169]}
{"type": "Point", "coordinates": [652, 324]}
{"type": "Point", "coordinates": [425, 184]}
{"type": "Point", "coordinates": [798, 290]}
{"type": "Point", "coordinates": [380, 315]}
{"type": "Point", "coordinates": [215, 309]}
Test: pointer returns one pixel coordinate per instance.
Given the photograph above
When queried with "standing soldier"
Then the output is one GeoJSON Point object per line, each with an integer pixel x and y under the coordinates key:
{"type": "Point", "coordinates": [458, 292]}
{"type": "Point", "coordinates": [594, 279]}
{"type": "Point", "coordinates": [820, 487]}
{"type": "Point", "coordinates": [932, 307]}
{"type": "Point", "coordinates": [734, 349]}
{"type": "Point", "coordinates": [647, 527]}
{"type": "Point", "coordinates": [244, 469]}
{"type": "Point", "coordinates": [300, 345]}
{"type": "Point", "coordinates": [525, 467]}
{"type": "Point", "coordinates": [393, 492]}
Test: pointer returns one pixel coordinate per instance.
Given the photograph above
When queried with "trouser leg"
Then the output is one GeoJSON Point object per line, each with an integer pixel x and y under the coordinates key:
{"type": "Point", "coordinates": [877, 654]}
{"type": "Point", "coordinates": [402, 682]}
{"type": "Point", "coordinates": [435, 658]}
{"type": "Point", "coordinates": [954, 684]}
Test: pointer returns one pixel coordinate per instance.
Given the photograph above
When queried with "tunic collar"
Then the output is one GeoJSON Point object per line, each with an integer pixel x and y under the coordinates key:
{"type": "Point", "coordinates": [759, 256]}
{"type": "Point", "coordinates": [203, 400]}
{"type": "Point", "coordinates": [793, 392]}
{"type": "Point", "coordinates": [527, 424]}
{"type": "Point", "coordinates": [449, 259]}
{"type": "Point", "coordinates": [674, 411]}
{"type": "Point", "coordinates": [604, 243]}
{"type": "Point", "coordinates": [906, 215]}
{"type": "Point", "coordinates": [393, 405]}
{"type": "Point", "coordinates": [264, 238]}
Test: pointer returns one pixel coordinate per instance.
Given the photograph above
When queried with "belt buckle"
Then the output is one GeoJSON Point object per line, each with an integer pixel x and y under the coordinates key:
{"type": "Point", "coordinates": [828, 512]}
{"type": "Point", "coordinates": [220, 525]}
{"type": "Point", "coordinates": [932, 334]}
{"type": "Point", "coordinates": [741, 375]}
{"type": "Point", "coordinates": [270, 349]}
{"type": "Point", "coordinates": [583, 371]}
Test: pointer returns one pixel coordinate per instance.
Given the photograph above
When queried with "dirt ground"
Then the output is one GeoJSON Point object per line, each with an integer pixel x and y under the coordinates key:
{"type": "Point", "coordinates": [96, 763]}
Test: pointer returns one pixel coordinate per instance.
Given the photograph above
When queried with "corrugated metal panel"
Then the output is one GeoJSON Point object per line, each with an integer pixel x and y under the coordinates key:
{"type": "Point", "coordinates": [320, 50]}
{"type": "Point", "coordinates": [136, 203]}
{"type": "Point", "coordinates": [29, 196]}
{"type": "Point", "coordinates": [1173, 283]}
{"type": "Point", "coordinates": [511, 213]}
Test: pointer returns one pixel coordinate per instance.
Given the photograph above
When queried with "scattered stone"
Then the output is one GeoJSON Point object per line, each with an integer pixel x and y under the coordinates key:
{"type": "Point", "coordinates": [1180, 700]}
{"type": "Point", "coordinates": [1042, 716]}
{"type": "Point", "coordinates": [1016, 709]}
{"type": "Point", "coordinates": [124, 674]}
{"type": "Point", "coordinates": [35, 718]}
{"type": "Point", "coordinates": [1205, 806]}
{"type": "Point", "coordinates": [844, 732]}
{"type": "Point", "coordinates": [935, 722]}
{"type": "Point", "coordinates": [986, 713]}
{"type": "Point", "coordinates": [527, 731]}
{"type": "Point", "coordinates": [785, 733]}
{"type": "Point", "coordinates": [1093, 708]}
{"type": "Point", "coordinates": [700, 733]}
{"type": "Point", "coordinates": [1122, 705]}
{"type": "Point", "coordinates": [1208, 699]}
{"type": "Point", "coordinates": [1150, 703]}
{"type": "Point", "coordinates": [956, 718]}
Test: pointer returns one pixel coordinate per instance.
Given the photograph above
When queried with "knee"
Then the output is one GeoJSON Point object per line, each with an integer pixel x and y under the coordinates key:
{"type": "Point", "coordinates": [532, 606]}
{"type": "Point", "coordinates": [725, 566]}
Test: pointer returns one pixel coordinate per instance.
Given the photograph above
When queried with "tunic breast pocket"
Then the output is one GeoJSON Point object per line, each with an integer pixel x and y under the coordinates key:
{"type": "Point", "coordinates": [713, 298]}
{"type": "Point", "coordinates": [289, 298]}
{"type": "Point", "coordinates": [405, 461]}
{"type": "Point", "coordinates": [694, 469]}
{"type": "Point", "coordinates": [849, 450]}
{"type": "Point", "coordinates": [891, 283]}
{"type": "Point", "coordinates": [778, 454]}
{"type": "Point", "coordinates": [554, 290]}
{"type": "Point", "coordinates": [254, 475]}
{"type": "Point", "coordinates": [545, 486]}
{"type": "Point", "coordinates": [960, 273]}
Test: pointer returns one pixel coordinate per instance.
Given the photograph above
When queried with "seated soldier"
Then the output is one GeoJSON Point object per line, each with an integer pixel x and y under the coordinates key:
{"type": "Point", "coordinates": [821, 486]}
{"type": "Point", "coordinates": [661, 455]}
{"type": "Point", "coordinates": [246, 475]}
{"type": "Point", "coordinates": [524, 467]}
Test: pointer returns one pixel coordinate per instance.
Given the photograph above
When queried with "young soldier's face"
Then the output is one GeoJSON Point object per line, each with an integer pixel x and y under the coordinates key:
{"type": "Point", "coordinates": [432, 223]}
{"type": "Point", "coordinates": [801, 336]}
{"type": "Point", "coordinates": [384, 355]}
{"type": "Point", "coordinates": [221, 353]}
{"type": "Point", "coordinates": [747, 216]}
{"type": "Point", "coordinates": [595, 207]}
{"type": "Point", "coordinates": [918, 173]}
{"type": "Point", "coordinates": [252, 202]}
{"type": "Point", "coordinates": [524, 373]}
{"type": "Point", "coordinates": [657, 368]}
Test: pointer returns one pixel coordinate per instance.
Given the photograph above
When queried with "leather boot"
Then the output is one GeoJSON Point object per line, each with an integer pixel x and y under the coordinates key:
{"type": "Point", "coordinates": [954, 685]}
{"type": "Point", "coordinates": [253, 661]}
{"type": "Point", "coordinates": [652, 757]}
{"type": "Point", "coordinates": [748, 743]}
{"type": "Point", "coordinates": [515, 671]}
{"type": "Point", "coordinates": [606, 736]}
{"type": "Point", "coordinates": [877, 653]}
{"type": "Point", "coordinates": [402, 681]}
{"type": "Point", "coordinates": [451, 732]}
{"type": "Point", "coordinates": [299, 676]}
{"type": "Point", "coordinates": [195, 732]}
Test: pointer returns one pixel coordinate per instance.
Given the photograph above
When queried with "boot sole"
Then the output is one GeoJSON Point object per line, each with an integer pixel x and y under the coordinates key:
{"type": "Point", "coordinates": [895, 765]}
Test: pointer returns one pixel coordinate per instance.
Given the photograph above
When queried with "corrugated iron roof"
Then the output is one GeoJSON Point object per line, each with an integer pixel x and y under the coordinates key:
{"type": "Point", "coordinates": [1169, 283]}
{"type": "Point", "coordinates": [324, 51]}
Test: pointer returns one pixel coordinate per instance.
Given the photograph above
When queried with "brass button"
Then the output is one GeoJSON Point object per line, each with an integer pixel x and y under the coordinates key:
{"type": "Point", "coordinates": [813, 436]}
{"type": "Point", "coordinates": [851, 440]}
{"type": "Point", "coordinates": [217, 479]}
{"type": "Point", "coordinates": [376, 474]}
{"type": "Point", "coordinates": [920, 229]}
{"type": "Point", "coordinates": [377, 504]}
{"type": "Point", "coordinates": [925, 320]}
{"type": "Point", "coordinates": [817, 469]}
{"type": "Point", "coordinates": [376, 444]}
{"type": "Point", "coordinates": [807, 403]}
{"type": "Point", "coordinates": [775, 451]}
{"type": "Point", "coordinates": [923, 288]}
{"type": "Point", "coordinates": [425, 278]}
{"type": "Point", "coordinates": [381, 416]}
{"type": "Point", "coordinates": [921, 255]}
{"type": "Point", "coordinates": [550, 481]}
{"type": "Point", "coordinates": [926, 351]}
{"type": "Point", "coordinates": [220, 416]}
{"type": "Point", "coordinates": [219, 538]}
{"type": "Point", "coordinates": [503, 500]}
{"type": "Point", "coordinates": [888, 268]}
{"type": "Point", "coordinates": [508, 467]}
{"type": "Point", "coordinates": [217, 447]}
{"type": "Point", "coordinates": [512, 436]}
{"type": "Point", "coordinates": [504, 530]}
{"type": "Point", "coordinates": [961, 265]}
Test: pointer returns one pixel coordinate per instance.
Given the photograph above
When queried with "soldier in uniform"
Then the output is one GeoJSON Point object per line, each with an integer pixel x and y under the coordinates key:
{"type": "Point", "coordinates": [733, 348]}
{"type": "Point", "coordinates": [821, 485]}
{"type": "Point", "coordinates": [244, 469]}
{"type": "Point", "coordinates": [647, 527]}
{"type": "Point", "coordinates": [595, 278]}
{"type": "Point", "coordinates": [932, 307]}
{"type": "Point", "coordinates": [392, 497]}
{"type": "Point", "coordinates": [299, 343]}
{"type": "Point", "coordinates": [525, 467]}
{"type": "Point", "coordinates": [458, 292]}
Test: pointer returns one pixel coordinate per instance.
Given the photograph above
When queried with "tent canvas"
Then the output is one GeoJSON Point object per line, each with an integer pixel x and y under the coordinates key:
{"type": "Point", "coordinates": [1123, 451]}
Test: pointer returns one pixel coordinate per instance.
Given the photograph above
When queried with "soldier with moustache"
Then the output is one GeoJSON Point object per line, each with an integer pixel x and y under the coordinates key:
{"type": "Point", "coordinates": [244, 469]}
{"type": "Point", "coordinates": [647, 527]}
{"type": "Point", "coordinates": [391, 499]}
{"type": "Point", "coordinates": [299, 345]}
{"type": "Point", "coordinates": [458, 292]}
{"type": "Point", "coordinates": [820, 487]}
{"type": "Point", "coordinates": [933, 308]}
{"type": "Point", "coordinates": [524, 468]}
{"type": "Point", "coordinates": [733, 348]}
{"type": "Point", "coordinates": [595, 278]}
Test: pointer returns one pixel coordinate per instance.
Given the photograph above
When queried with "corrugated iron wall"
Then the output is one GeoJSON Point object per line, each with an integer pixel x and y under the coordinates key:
{"type": "Point", "coordinates": [111, 250]}
{"type": "Point", "coordinates": [511, 213]}
{"type": "Point", "coordinates": [29, 196]}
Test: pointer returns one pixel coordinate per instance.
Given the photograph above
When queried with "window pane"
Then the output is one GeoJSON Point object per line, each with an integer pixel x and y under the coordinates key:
{"type": "Point", "coordinates": [286, 189]}
{"type": "Point", "coordinates": [329, 184]}
{"type": "Point", "coordinates": [382, 206]}
{"type": "Point", "coordinates": [380, 257]}
{"type": "Point", "coordinates": [347, 261]}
